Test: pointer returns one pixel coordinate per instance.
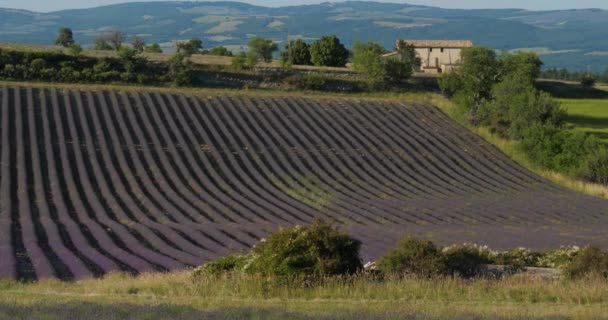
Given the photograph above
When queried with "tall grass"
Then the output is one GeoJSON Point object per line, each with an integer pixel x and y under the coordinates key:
{"type": "Point", "coordinates": [514, 297]}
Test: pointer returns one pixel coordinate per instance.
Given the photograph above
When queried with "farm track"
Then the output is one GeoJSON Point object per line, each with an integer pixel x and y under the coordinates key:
{"type": "Point", "coordinates": [96, 181]}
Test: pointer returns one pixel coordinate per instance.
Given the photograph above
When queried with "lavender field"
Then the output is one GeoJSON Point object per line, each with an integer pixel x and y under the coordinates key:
{"type": "Point", "coordinates": [98, 181]}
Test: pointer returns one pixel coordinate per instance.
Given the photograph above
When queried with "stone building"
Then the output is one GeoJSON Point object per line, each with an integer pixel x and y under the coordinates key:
{"type": "Point", "coordinates": [436, 56]}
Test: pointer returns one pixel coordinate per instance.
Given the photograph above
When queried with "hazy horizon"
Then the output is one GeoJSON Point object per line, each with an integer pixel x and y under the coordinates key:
{"type": "Point", "coordinates": [47, 6]}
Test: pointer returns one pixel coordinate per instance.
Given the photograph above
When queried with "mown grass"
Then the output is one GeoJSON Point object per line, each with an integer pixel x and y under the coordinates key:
{"type": "Point", "coordinates": [257, 297]}
{"type": "Point", "coordinates": [588, 115]}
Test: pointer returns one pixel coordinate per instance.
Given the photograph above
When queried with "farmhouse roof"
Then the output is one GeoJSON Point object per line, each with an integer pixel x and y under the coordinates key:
{"type": "Point", "coordinates": [439, 43]}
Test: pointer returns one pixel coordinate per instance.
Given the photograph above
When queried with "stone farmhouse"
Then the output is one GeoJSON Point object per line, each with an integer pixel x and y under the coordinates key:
{"type": "Point", "coordinates": [436, 56]}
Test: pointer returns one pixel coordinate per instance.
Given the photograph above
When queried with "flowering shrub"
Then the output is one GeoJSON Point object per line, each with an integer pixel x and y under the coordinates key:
{"type": "Point", "coordinates": [466, 260]}
{"type": "Point", "coordinates": [518, 257]}
{"type": "Point", "coordinates": [558, 258]}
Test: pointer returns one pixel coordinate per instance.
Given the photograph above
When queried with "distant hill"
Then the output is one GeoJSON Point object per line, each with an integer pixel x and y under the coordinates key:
{"type": "Point", "coordinates": [573, 39]}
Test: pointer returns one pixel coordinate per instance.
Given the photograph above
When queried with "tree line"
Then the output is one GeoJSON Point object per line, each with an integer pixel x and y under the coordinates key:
{"type": "Point", "coordinates": [130, 64]}
{"type": "Point", "coordinates": [586, 78]}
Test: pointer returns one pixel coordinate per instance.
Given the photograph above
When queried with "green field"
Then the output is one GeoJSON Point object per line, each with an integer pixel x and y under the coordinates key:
{"type": "Point", "coordinates": [588, 115]}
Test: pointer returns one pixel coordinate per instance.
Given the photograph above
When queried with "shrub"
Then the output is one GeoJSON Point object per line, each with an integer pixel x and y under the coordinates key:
{"type": "Point", "coordinates": [518, 257]}
{"type": "Point", "coordinates": [153, 48]}
{"type": "Point", "coordinates": [559, 149]}
{"type": "Point", "coordinates": [314, 81]}
{"type": "Point", "coordinates": [589, 262]}
{"type": "Point", "coordinates": [230, 263]}
{"type": "Point", "coordinates": [318, 249]}
{"type": "Point", "coordinates": [450, 83]}
{"type": "Point", "coordinates": [413, 256]}
{"type": "Point", "coordinates": [239, 61]}
{"type": "Point", "coordinates": [397, 71]}
{"type": "Point", "coordinates": [558, 258]}
{"type": "Point", "coordinates": [594, 167]}
{"type": "Point", "coordinates": [220, 51]}
{"type": "Point", "coordinates": [75, 49]}
{"type": "Point", "coordinates": [464, 260]}
{"type": "Point", "coordinates": [37, 65]}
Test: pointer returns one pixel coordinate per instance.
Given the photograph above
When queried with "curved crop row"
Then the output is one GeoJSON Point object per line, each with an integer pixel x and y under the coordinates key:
{"type": "Point", "coordinates": [92, 182]}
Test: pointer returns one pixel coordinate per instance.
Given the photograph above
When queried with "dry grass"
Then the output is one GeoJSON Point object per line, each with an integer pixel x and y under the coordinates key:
{"type": "Point", "coordinates": [405, 97]}
{"type": "Point", "coordinates": [512, 298]}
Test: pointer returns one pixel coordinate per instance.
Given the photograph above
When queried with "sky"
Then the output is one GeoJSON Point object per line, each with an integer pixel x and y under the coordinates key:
{"type": "Point", "coordinates": [52, 5]}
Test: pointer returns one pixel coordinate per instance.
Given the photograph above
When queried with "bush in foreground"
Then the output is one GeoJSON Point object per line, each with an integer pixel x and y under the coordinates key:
{"type": "Point", "coordinates": [413, 256]}
{"type": "Point", "coordinates": [233, 262]}
{"type": "Point", "coordinates": [589, 262]}
{"type": "Point", "coordinates": [465, 260]}
{"type": "Point", "coordinates": [318, 250]}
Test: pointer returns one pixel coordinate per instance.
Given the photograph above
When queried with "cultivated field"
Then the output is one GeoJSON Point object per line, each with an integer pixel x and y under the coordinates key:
{"type": "Point", "coordinates": [96, 181]}
{"type": "Point", "coordinates": [588, 115]}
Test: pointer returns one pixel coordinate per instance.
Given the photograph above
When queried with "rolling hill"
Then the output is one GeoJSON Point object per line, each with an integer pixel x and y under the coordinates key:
{"type": "Point", "coordinates": [573, 39]}
{"type": "Point", "coordinates": [97, 181]}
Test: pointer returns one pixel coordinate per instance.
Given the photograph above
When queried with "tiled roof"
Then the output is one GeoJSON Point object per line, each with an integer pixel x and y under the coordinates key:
{"type": "Point", "coordinates": [439, 43]}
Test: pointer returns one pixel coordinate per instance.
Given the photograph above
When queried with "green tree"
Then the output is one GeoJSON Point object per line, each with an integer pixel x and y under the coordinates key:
{"type": "Point", "coordinates": [588, 81]}
{"type": "Point", "coordinates": [297, 53]}
{"type": "Point", "coordinates": [220, 51]}
{"type": "Point", "coordinates": [526, 65]}
{"type": "Point", "coordinates": [190, 47]}
{"type": "Point", "coordinates": [407, 55]}
{"type": "Point", "coordinates": [368, 62]}
{"type": "Point", "coordinates": [516, 105]}
{"type": "Point", "coordinates": [472, 83]}
{"type": "Point", "coordinates": [328, 51]}
{"type": "Point", "coordinates": [153, 48]}
{"type": "Point", "coordinates": [65, 38]}
{"type": "Point", "coordinates": [261, 49]}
